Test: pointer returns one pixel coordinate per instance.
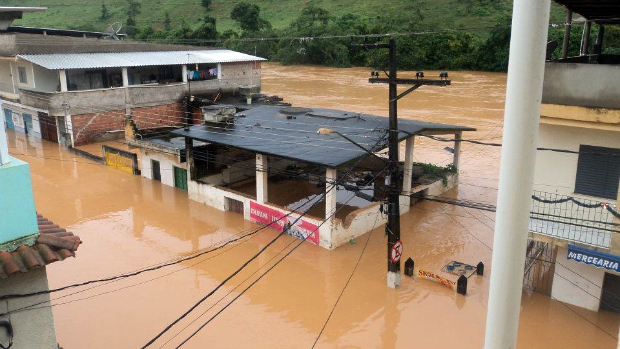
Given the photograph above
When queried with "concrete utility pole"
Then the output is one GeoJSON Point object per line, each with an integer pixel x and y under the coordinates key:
{"type": "Point", "coordinates": [521, 117]}
{"type": "Point", "coordinates": [392, 227]}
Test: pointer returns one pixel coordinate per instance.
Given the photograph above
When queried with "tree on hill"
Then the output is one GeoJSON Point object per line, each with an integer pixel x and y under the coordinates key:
{"type": "Point", "coordinates": [133, 10]}
{"type": "Point", "coordinates": [167, 22]}
{"type": "Point", "coordinates": [104, 11]}
{"type": "Point", "coordinates": [248, 17]}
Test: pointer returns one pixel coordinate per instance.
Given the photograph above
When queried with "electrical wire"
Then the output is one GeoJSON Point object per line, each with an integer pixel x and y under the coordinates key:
{"type": "Point", "coordinates": [168, 327]}
{"type": "Point", "coordinates": [258, 279]}
{"type": "Point", "coordinates": [359, 259]}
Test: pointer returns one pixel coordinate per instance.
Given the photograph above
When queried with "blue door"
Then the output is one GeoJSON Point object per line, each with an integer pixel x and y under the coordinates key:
{"type": "Point", "coordinates": [9, 119]}
{"type": "Point", "coordinates": [27, 123]}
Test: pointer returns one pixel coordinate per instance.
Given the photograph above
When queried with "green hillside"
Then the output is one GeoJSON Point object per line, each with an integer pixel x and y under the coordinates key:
{"type": "Point", "coordinates": [421, 14]}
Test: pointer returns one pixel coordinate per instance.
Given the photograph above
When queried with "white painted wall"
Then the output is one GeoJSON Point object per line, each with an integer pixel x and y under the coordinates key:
{"type": "Point", "coordinates": [556, 172]}
{"type": "Point", "coordinates": [34, 328]}
{"type": "Point", "coordinates": [30, 84]}
{"type": "Point", "coordinates": [577, 283]}
{"type": "Point", "coordinates": [340, 232]}
{"type": "Point", "coordinates": [45, 80]}
{"type": "Point", "coordinates": [6, 79]}
{"type": "Point", "coordinates": [166, 165]}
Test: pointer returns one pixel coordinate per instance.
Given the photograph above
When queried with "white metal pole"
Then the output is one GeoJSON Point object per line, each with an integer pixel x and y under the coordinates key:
{"type": "Point", "coordinates": [530, 22]}
{"type": "Point", "coordinates": [4, 148]}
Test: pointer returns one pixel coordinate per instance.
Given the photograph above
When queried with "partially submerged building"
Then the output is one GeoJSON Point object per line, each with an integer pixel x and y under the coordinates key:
{"type": "Point", "coordinates": [77, 90]}
{"type": "Point", "coordinates": [271, 164]}
{"type": "Point", "coordinates": [574, 250]}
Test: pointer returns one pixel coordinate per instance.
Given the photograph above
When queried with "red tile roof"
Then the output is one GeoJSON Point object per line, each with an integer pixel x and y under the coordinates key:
{"type": "Point", "coordinates": [53, 244]}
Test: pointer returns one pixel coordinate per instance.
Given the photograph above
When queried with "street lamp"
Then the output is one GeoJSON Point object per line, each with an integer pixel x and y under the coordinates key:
{"type": "Point", "coordinates": [329, 132]}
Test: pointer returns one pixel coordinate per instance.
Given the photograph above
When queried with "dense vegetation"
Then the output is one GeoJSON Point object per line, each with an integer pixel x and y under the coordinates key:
{"type": "Point", "coordinates": [436, 34]}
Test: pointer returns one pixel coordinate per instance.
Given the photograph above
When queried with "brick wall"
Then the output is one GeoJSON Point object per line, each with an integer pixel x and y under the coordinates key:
{"type": "Point", "coordinates": [158, 116]}
{"type": "Point", "coordinates": [88, 128]}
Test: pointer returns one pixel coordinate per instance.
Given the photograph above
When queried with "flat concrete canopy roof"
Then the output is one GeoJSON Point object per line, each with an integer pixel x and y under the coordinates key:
{"type": "Point", "coordinates": [599, 11]}
{"type": "Point", "coordinates": [291, 133]}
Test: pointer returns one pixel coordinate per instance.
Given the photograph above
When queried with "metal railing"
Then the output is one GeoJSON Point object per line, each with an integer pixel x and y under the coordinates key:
{"type": "Point", "coordinates": [573, 219]}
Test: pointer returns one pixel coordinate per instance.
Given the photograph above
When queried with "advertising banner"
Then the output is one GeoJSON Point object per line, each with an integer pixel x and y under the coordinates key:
{"type": "Point", "coordinates": [298, 228]}
{"type": "Point", "coordinates": [423, 274]}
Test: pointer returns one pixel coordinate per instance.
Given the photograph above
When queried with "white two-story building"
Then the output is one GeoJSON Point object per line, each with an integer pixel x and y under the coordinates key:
{"type": "Point", "coordinates": [575, 227]}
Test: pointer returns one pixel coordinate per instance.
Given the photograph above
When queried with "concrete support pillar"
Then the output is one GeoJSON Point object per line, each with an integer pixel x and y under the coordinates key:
{"type": "Point", "coordinates": [325, 231]}
{"type": "Point", "coordinates": [189, 159]}
{"type": "Point", "coordinates": [262, 179]}
{"type": "Point", "coordinates": [567, 26]}
{"type": "Point", "coordinates": [457, 150]}
{"type": "Point", "coordinates": [62, 75]}
{"type": "Point", "coordinates": [4, 148]}
{"type": "Point", "coordinates": [184, 72]}
{"type": "Point", "coordinates": [219, 71]}
{"type": "Point", "coordinates": [69, 125]}
{"type": "Point", "coordinates": [528, 42]}
{"type": "Point", "coordinates": [125, 78]}
{"type": "Point", "coordinates": [330, 193]}
{"type": "Point", "coordinates": [408, 165]}
{"type": "Point", "coordinates": [586, 38]}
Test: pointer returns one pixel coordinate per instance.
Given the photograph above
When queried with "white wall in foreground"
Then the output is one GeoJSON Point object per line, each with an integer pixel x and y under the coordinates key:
{"type": "Point", "coordinates": [577, 283]}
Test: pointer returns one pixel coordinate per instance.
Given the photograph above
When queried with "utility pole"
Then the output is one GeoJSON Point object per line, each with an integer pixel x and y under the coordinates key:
{"type": "Point", "coordinates": [392, 227]}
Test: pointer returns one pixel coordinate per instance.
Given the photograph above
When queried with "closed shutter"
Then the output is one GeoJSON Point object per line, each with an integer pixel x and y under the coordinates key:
{"type": "Point", "coordinates": [611, 290]}
{"type": "Point", "coordinates": [598, 172]}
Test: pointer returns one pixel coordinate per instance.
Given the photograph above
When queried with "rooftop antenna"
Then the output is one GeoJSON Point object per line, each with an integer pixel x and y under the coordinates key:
{"type": "Point", "coordinates": [113, 30]}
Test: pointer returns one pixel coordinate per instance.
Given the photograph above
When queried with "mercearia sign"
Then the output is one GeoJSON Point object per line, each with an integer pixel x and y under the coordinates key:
{"type": "Point", "coordinates": [595, 258]}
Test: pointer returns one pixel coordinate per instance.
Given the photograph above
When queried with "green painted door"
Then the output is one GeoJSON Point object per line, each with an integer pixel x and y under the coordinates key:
{"type": "Point", "coordinates": [180, 178]}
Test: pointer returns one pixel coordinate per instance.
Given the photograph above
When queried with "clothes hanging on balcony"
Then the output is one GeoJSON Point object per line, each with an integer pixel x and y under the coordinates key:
{"type": "Point", "coordinates": [197, 75]}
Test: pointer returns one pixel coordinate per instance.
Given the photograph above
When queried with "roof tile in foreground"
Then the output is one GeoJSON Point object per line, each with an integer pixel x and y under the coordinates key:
{"type": "Point", "coordinates": [53, 244]}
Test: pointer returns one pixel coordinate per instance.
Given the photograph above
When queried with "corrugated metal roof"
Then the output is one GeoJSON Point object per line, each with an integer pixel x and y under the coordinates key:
{"type": "Point", "coordinates": [268, 130]}
{"type": "Point", "coordinates": [59, 61]}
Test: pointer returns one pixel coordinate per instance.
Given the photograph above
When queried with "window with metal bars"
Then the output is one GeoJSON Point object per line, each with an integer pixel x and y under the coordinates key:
{"type": "Point", "coordinates": [598, 172]}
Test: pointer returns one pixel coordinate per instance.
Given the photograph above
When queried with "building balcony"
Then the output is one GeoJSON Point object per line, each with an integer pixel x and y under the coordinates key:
{"type": "Point", "coordinates": [570, 220]}
{"type": "Point", "coordinates": [88, 101]}
{"type": "Point", "coordinates": [581, 94]}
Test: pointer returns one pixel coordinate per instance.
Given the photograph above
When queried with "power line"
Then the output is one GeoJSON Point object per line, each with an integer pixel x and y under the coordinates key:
{"type": "Point", "coordinates": [491, 249]}
{"type": "Point", "coordinates": [251, 259]}
{"type": "Point", "coordinates": [347, 283]}
{"type": "Point", "coordinates": [127, 275]}
{"type": "Point", "coordinates": [258, 279]}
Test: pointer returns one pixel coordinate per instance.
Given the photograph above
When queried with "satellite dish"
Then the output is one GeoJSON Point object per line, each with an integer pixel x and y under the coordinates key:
{"type": "Point", "coordinates": [113, 30]}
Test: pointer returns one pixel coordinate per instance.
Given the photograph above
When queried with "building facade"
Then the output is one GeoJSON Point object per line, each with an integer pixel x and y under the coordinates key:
{"type": "Point", "coordinates": [575, 225]}
{"type": "Point", "coordinates": [78, 90]}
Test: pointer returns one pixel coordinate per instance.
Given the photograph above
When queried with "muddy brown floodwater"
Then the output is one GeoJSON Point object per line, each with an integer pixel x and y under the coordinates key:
{"type": "Point", "coordinates": [128, 223]}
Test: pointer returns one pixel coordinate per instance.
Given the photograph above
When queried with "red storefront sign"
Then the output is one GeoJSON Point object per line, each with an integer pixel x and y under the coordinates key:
{"type": "Point", "coordinates": [298, 228]}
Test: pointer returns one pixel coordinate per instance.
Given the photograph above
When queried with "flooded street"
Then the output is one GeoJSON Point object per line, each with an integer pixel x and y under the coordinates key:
{"type": "Point", "coordinates": [128, 223]}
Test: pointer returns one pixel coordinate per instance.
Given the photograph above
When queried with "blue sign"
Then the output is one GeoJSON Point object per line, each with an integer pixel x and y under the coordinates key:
{"type": "Point", "coordinates": [595, 258]}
